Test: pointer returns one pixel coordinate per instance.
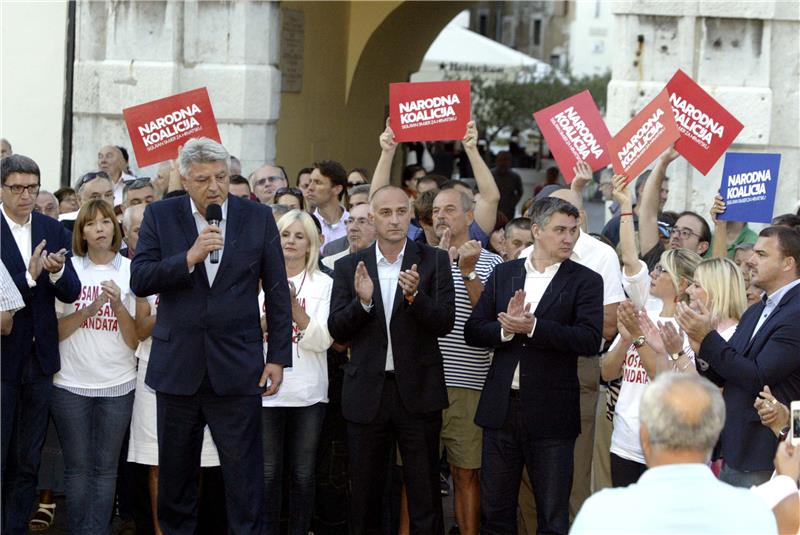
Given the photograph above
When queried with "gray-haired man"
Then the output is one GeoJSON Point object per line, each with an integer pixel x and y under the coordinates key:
{"type": "Point", "coordinates": [680, 418]}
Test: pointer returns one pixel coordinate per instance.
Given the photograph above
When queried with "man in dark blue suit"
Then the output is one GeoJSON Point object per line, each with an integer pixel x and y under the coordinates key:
{"type": "Point", "coordinates": [539, 314]}
{"type": "Point", "coordinates": [207, 363]}
{"type": "Point", "coordinates": [34, 249]}
{"type": "Point", "coordinates": [764, 351]}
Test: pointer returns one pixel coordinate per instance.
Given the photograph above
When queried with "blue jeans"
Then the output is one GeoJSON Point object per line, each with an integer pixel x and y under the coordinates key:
{"type": "Point", "coordinates": [24, 426]}
{"type": "Point", "coordinates": [296, 431]}
{"type": "Point", "coordinates": [91, 431]}
{"type": "Point", "coordinates": [549, 462]}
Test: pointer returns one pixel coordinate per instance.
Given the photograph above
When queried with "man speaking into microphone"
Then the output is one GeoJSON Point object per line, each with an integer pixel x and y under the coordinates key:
{"type": "Point", "coordinates": [204, 253]}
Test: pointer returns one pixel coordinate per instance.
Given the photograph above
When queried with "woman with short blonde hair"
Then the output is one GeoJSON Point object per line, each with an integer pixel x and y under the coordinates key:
{"type": "Point", "coordinates": [292, 418]}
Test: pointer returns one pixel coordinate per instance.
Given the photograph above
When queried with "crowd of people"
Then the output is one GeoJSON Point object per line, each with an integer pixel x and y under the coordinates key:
{"type": "Point", "coordinates": [204, 351]}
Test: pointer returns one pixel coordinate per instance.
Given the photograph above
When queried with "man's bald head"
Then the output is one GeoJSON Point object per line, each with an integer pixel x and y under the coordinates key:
{"type": "Point", "coordinates": [682, 412]}
{"type": "Point", "coordinates": [131, 221]}
{"type": "Point", "coordinates": [567, 195]}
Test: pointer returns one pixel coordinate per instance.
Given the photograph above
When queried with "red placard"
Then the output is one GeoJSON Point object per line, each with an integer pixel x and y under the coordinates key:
{"type": "Point", "coordinates": [646, 136]}
{"type": "Point", "coordinates": [159, 127]}
{"type": "Point", "coordinates": [707, 129]}
{"type": "Point", "coordinates": [429, 111]}
{"type": "Point", "coordinates": [574, 130]}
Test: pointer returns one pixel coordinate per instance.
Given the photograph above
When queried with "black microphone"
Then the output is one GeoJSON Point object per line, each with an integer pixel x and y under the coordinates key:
{"type": "Point", "coordinates": [214, 216]}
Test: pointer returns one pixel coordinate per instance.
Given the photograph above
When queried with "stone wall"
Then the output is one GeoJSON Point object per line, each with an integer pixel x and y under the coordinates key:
{"type": "Point", "coordinates": [745, 54]}
{"type": "Point", "coordinates": [128, 53]}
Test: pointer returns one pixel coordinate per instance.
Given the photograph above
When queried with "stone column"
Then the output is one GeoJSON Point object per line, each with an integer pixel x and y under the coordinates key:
{"type": "Point", "coordinates": [130, 52]}
{"type": "Point", "coordinates": [745, 54]}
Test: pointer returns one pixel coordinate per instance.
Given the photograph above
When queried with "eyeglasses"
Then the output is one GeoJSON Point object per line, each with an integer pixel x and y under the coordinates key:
{"type": "Point", "coordinates": [264, 180]}
{"type": "Point", "coordinates": [88, 177]}
{"type": "Point", "coordinates": [683, 232]}
{"type": "Point", "coordinates": [17, 189]}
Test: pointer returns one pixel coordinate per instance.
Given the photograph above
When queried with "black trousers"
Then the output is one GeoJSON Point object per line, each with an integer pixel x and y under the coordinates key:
{"type": "Point", "coordinates": [235, 423]}
{"type": "Point", "coordinates": [370, 449]}
{"type": "Point", "coordinates": [625, 472]}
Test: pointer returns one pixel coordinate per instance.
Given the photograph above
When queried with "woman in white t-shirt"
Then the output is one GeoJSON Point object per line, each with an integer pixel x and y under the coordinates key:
{"type": "Point", "coordinates": [292, 418]}
{"type": "Point", "coordinates": [93, 394]}
{"type": "Point", "coordinates": [630, 357]}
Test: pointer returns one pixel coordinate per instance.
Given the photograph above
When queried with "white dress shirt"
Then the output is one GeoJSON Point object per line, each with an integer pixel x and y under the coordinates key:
{"type": "Point", "coordinates": [201, 223]}
{"type": "Point", "coordinates": [536, 283]}
{"type": "Point", "coordinates": [388, 278]}
{"type": "Point", "coordinates": [22, 235]}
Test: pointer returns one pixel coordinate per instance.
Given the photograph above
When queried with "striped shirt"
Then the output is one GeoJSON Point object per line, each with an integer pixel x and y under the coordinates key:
{"type": "Point", "coordinates": [466, 366]}
{"type": "Point", "coordinates": [10, 298]}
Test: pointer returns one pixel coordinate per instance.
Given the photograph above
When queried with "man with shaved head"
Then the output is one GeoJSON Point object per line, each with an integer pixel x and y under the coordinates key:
{"type": "Point", "coordinates": [680, 419]}
{"type": "Point", "coordinates": [392, 301]}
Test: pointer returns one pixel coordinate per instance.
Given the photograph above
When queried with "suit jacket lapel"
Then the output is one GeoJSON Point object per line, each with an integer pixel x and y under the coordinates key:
{"type": "Point", "coordinates": [37, 235]}
{"type": "Point", "coordinates": [411, 256]}
{"type": "Point", "coordinates": [232, 230]}
{"type": "Point", "coordinates": [786, 297]}
{"type": "Point", "coordinates": [372, 268]}
{"type": "Point", "coordinates": [553, 290]}
{"type": "Point", "coordinates": [11, 254]}
{"type": "Point", "coordinates": [187, 224]}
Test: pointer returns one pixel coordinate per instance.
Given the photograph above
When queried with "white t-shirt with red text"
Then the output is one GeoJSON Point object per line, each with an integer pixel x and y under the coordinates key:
{"type": "Point", "coordinates": [625, 437]}
{"type": "Point", "coordinates": [95, 356]}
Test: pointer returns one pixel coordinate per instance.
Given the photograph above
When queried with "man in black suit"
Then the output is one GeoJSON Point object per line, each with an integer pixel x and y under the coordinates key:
{"type": "Point", "coordinates": [392, 301]}
{"type": "Point", "coordinates": [764, 350]}
{"type": "Point", "coordinates": [34, 249]}
{"type": "Point", "coordinates": [207, 362]}
{"type": "Point", "coordinates": [539, 314]}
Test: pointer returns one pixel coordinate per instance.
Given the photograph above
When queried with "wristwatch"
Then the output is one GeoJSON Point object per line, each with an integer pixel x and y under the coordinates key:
{"type": "Point", "coordinates": [469, 277]}
{"type": "Point", "coordinates": [639, 341]}
{"type": "Point", "coordinates": [676, 356]}
{"type": "Point", "coordinates": [783, 434]}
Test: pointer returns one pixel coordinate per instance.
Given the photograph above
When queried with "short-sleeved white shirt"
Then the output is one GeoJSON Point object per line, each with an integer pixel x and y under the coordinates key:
{"type": "Point", "coordinates": [95, 356]}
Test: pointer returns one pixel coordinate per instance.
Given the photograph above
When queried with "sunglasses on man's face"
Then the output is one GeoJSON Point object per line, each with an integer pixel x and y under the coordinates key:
{"type": "Point", "coordinates": [264, 180]}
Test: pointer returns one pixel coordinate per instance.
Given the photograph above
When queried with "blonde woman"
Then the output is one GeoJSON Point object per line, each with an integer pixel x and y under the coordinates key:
{"type": "Point", "coordinates": [718, 285]}
{"type": "Point", "coordinates": [631, 357]}
{"type": "Point", "coordinates": [292, 418]}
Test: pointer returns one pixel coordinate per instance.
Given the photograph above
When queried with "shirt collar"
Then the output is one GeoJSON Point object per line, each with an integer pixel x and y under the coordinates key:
{"type": "Point", "coordinates": [549, 270]}
{"type": "Point", "coordinates": [778, 294]}
{"type": "Point", "coordinates": [676, 471]}
{"type": "Point", "coordinates": [380, 258]}
{"type": "Point", "coordinates": [13, 224]}
{"type": "Point", "coordinates": [115, 263]}
{"type": "Point", "coordinates": [193, 208]}
{"type": "Point", "coordinates": [322, 221]}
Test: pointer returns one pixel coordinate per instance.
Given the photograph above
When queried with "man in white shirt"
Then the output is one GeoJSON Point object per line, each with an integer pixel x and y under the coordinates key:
{"type": "Point", "coordinates": [539, 314]}
{"type": "Point", "coordinates": [34, 249]}
{"type": "Point", "coordinates": [603, 260]}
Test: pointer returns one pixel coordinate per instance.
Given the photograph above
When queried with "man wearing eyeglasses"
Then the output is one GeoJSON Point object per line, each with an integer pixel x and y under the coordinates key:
{"type": "Point", "coordinates": [34, 249]}
{"type": "Point", "coordinates": [691, 231]}
{"type": "Point", "coordinates": [265, 181]}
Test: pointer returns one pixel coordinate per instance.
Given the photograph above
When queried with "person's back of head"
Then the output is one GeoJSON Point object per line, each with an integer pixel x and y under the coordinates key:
{"type": "Point", "coordinates": [423, 207]}
{"type": "Point", "coordinates": [786, 220]}
{"type": "Point", "coordinates": [680, 418]}
{"type": "Point", "coordinates": [551, 175]}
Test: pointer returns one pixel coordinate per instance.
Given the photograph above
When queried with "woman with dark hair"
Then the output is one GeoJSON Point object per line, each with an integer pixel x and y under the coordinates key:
{"type": "Point", "coordinates": [411, 175]}
{"type": "Point", "coordinates": [93, 394]}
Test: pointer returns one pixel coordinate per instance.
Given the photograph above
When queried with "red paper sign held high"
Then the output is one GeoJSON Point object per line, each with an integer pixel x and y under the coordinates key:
{"type": "Point", "coordinates": [574, 130]}
{"type": "Point", "coordinates": [646, 136]}
{"type": "Point", "coordinates": [707, 129]}
{"type": "Point", "coordinates": [159, 127]}
{"type": "Point", "coordinates": [429, 111]}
